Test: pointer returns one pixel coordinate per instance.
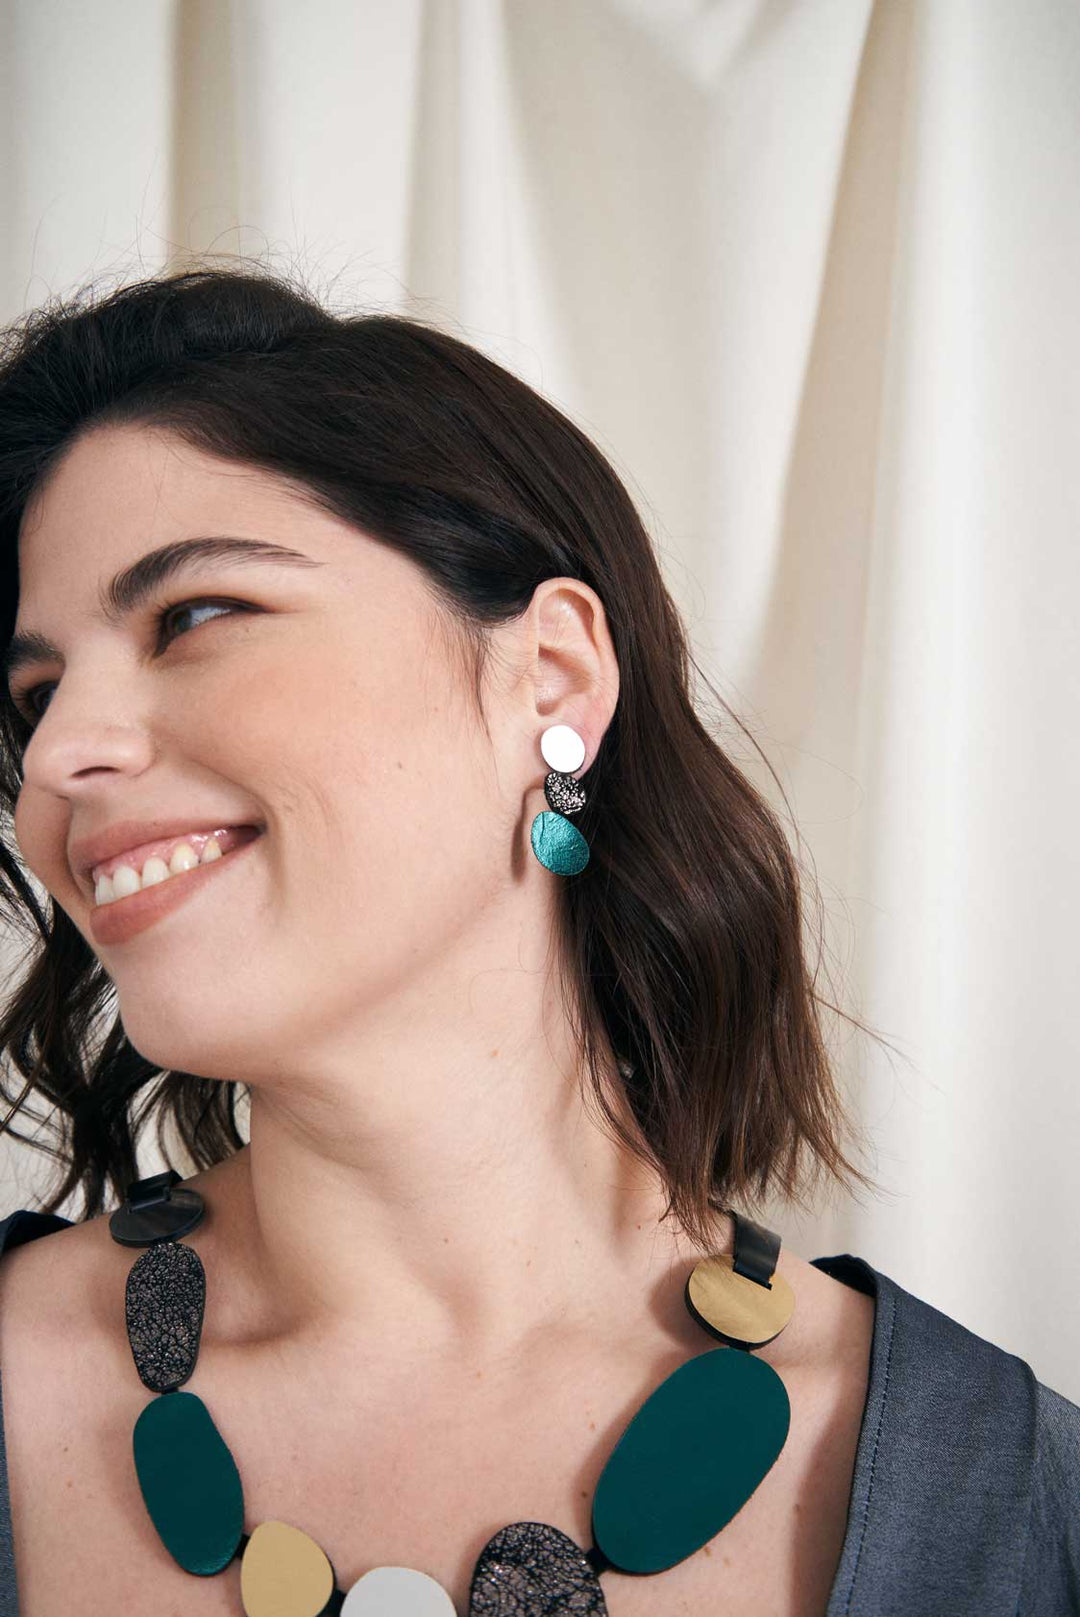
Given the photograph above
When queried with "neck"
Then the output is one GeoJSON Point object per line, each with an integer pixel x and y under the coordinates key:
{"type": "Point", "coordinates": [471, 1195]}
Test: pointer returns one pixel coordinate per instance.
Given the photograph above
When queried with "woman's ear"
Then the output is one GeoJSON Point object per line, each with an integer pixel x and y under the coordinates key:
{"type": "Point", "coordinates": [571, 657]}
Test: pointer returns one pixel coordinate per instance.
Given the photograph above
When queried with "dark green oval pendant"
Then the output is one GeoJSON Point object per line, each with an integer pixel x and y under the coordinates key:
{"type": "Point", "coordinates": [189, 1482]}
{"type": "Point", "coordinates": [690, 1458]}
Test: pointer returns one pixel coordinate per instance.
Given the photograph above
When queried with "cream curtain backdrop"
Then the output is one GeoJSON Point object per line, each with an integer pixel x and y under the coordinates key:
{"type": "Point", "coordinates": [807, 270]}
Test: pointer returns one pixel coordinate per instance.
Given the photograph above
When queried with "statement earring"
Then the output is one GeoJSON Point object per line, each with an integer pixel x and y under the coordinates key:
{"type": "Point", "coordinates": [557, 844]}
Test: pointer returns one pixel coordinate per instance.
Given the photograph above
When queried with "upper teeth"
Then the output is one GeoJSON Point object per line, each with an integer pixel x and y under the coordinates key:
{"type": "Point", "coordinates": [125, 879]}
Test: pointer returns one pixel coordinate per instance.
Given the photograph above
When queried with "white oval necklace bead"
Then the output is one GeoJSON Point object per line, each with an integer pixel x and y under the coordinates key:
{"type": "Point", "coordinates": [397, 1590]}
{"type": "Point", "coordinates": [562, 748]}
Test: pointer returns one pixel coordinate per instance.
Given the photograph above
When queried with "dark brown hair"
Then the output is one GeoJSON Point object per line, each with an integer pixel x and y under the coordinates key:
{"type": "Point", "coordinates": [683, 936]}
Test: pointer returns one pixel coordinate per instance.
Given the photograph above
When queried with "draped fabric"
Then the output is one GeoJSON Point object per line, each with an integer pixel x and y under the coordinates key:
{"type": "Point", "coordinates": [807, 273]}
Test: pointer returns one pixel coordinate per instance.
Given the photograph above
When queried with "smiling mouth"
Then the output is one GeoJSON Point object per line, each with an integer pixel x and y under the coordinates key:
{"type": "Point", "coordinates": [136, 873]}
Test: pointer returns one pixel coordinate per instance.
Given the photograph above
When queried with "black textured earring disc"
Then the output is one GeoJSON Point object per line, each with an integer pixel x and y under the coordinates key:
{"type": "Point", "coordinates": [565, 794]}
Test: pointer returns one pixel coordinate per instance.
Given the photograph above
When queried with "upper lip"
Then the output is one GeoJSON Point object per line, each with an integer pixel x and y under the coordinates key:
{"type": "Point", "coordinates": [83, 855]}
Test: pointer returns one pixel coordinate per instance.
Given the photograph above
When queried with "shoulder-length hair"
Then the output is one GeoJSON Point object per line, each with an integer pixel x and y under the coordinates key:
{"type": "Point", "coordinates": [683, 937]}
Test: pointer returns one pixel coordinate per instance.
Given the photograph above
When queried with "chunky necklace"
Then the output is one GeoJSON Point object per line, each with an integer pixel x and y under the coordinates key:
{"type": "Point", "coordinates": [690, 1458]}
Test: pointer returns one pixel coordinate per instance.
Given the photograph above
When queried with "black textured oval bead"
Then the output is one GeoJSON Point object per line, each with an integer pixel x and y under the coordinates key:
{"type": "Point", "coordinates": [166, 1295]}
{"type": "Point", "coordinates": [564, 794]}
{"type": "Point", "coordinates": [530, 1567]}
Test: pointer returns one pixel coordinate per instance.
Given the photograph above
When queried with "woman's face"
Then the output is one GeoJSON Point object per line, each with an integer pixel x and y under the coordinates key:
{"type": "Point", "coordinates": [327, 707]}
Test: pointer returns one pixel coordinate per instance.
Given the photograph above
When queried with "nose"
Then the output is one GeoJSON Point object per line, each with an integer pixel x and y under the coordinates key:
{"type": "Point", "coordinates": [77, 737]}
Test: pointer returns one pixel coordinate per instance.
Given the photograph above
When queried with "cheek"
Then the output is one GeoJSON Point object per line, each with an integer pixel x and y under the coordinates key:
{"type": "Point", "coordinates": [409, 839]}
{"type": "Point", "coordinates": [378, 779]}
{"type": "Point", "coordinates": [41, 832]}
{"type": "Point", "coordinates": [384, 862]}
{"type": "Point", "coordinates": [407, 815]}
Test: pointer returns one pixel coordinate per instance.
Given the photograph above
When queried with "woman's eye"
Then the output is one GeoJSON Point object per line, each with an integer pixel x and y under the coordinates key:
{"type": "Point", "coordinates": [190, 606]}
{"type": "Point", "coordinates": [27, 704]}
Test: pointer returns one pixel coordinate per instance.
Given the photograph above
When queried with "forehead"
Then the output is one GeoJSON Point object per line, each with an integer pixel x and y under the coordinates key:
{"type": "Point", "coordinates": [106, 526]}
{"type": "Point", "coordinates": [116, 486]}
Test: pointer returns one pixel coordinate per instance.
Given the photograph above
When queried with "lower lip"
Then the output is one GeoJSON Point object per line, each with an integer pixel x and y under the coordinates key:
{"type": "Point", "coordinates": [124, 918]}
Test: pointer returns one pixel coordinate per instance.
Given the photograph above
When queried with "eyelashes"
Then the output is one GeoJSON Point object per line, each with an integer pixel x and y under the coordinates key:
{"type": "Point", "coordinates": [25, 704]}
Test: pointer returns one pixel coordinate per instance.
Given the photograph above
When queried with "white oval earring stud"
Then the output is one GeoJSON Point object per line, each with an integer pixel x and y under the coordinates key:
{"type": "Point", "coordinates": [562, 748]}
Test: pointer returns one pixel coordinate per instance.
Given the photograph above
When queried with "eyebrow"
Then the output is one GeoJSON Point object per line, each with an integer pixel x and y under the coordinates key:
{"type": "Point", "coordinates": [133, 585]}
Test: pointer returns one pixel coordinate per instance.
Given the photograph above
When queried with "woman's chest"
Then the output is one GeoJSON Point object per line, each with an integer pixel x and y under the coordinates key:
{"type": "Point", "coordinates": [424, 1485]}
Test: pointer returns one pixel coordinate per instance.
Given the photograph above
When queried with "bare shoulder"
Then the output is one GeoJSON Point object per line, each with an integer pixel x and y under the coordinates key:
{"type": "Point", "coordinates": [832, 1328]}
{"type": "Point", "coordinates": [57, 1296]}
{"type": "Point", "coordinates": [55, 1282]}
{"type": "Point", "coordinates": [68, 1408]}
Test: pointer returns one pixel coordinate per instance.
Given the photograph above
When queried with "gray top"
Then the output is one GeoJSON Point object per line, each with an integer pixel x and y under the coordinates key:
{"type": "Point", "coordinates": [965, 1500]}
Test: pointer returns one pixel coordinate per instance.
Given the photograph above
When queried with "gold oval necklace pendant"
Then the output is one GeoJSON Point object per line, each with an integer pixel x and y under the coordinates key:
{"type": "Point", "coordinates": [737, 1310]}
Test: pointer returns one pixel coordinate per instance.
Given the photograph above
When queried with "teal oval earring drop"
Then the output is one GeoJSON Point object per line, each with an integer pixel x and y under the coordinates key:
{"type": "Point", "coordinates": [560, 846]}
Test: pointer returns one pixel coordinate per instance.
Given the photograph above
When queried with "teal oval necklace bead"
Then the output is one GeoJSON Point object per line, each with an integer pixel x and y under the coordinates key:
{"type": "Point", "coordinates": [690, 1458]}
{"type": "Point", "coordinates": [559, 846]}
{"type": "Point", "coordinates": [189, 1482]}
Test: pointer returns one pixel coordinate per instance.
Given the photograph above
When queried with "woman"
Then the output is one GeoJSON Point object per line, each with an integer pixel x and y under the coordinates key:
{"type": "Point", "coordinates": [313, 626]}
